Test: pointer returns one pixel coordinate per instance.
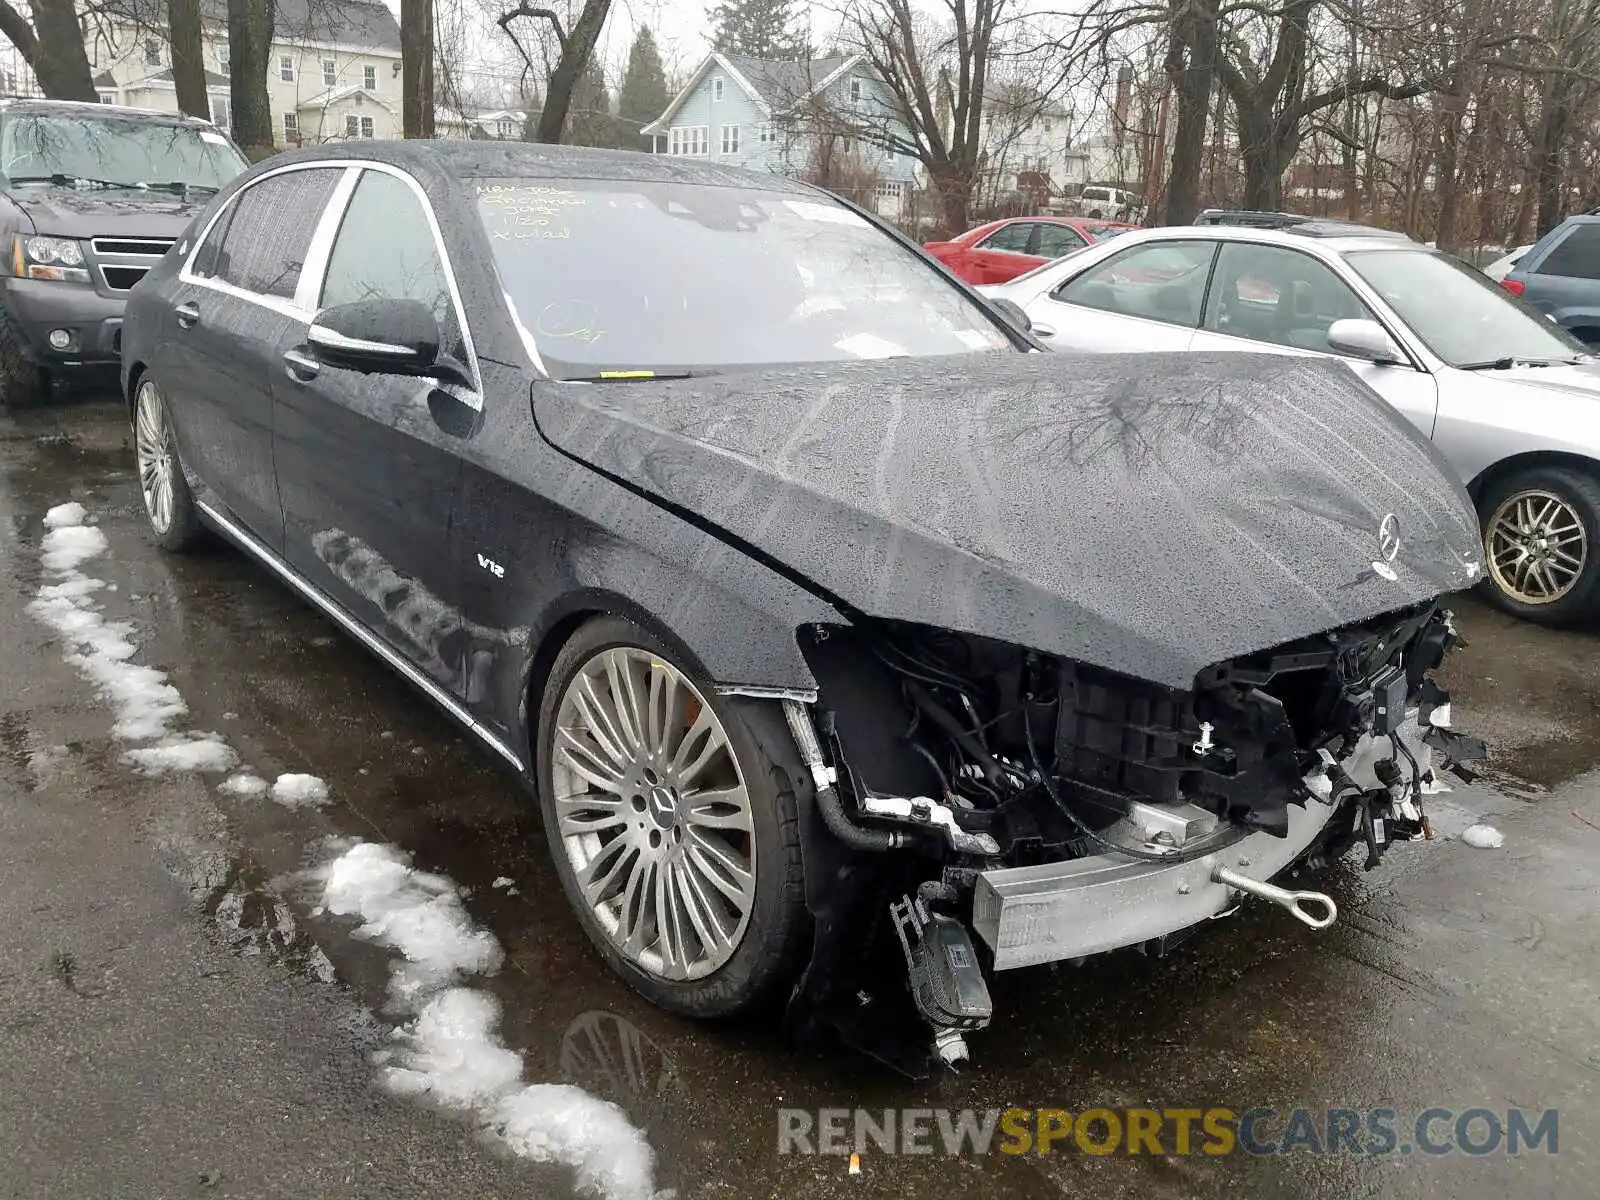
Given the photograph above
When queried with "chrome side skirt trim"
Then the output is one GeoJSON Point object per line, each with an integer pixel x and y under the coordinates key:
{"type": "Point", "coordinates": [758, 692]}
{"type": "Point", "coordinates": [367, 638]}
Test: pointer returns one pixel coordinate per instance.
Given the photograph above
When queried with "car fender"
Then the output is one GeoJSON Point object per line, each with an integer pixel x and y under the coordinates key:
{"type": "Point", "coordinates": [1483, 422]}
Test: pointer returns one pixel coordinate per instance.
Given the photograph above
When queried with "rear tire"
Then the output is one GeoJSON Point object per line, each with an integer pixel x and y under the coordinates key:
{"type": "Point", "coordinates": [638, 794]}
{"type": "Point", "coordinates": [1541, 537]}
{"type": "Point", "coordinates": [168, 504]}
{"type": "Point", "coordinates": [22, 381]}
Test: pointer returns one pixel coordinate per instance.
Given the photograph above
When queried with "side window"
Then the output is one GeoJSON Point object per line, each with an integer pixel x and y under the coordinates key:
{"type": "Point", "coordinates": [1012, 237]}
{"type": "Point", "coordinates": [1056, 240]}
{"type": "Point", "coordinates": [385, 248]}
{"type": "Point", "coordinates": [204, 263]}
{"type": "Point", "coordinates": [265, 245]}
{"type": "Point", "coordinates": [1576, 256]}
{"type": "Point", "coordinates": [1272, 294]}
{"type": "Point", "coordinates": [1160, 281]}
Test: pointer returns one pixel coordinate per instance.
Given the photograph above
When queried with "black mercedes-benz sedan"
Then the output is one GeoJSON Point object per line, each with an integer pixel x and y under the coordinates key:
{"type": "Point", "coordinates": [831, 626]}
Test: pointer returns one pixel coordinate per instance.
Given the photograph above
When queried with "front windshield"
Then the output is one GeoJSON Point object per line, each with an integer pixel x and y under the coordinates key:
{"type": "Point", "coordinates": [1458, 312]}
{"type": "Point", "coordinates": [613, 277]}
{"type": "Point", "coordinates": [93, 148]}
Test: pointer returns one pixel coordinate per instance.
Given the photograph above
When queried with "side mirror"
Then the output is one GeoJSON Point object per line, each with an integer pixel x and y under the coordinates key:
{"type": "Point", "coordinates": [1014, 314]}
{"type": "Point", "coordinates": [1363, 339]}
{"type": "Point", "coordinates": [377, 337]}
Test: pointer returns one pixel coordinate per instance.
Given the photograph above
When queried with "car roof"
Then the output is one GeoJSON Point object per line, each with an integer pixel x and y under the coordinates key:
{"type": "Point", "coordinates": [89, 108]}
{"type": "Point", "coordinates": [1357, 237]}
{"type": "Point", "coordinates": [537, 160]}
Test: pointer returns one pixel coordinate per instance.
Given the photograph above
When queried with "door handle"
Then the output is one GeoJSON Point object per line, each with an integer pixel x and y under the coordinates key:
{"type": "Point", "coordinates": [1043, 331]}
{"type": "Point", "coordinates": [302, 367]}
{"type": "Point", "coordinates": [188, 315]}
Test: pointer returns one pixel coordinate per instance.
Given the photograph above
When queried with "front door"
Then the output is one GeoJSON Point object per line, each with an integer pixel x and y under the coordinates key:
{"type": "Point", "coordinates": [233, 303]}
{"type": "Point", "coordinates": [1147, 298]}
{"type": "Point", "coordinates": [368, 465]}
{"type": "Point", "coordinates": [1277, 300]}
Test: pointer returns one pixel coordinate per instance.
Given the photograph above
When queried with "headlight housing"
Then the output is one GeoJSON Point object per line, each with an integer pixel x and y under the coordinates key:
{"type": "Point", "coordinates": [49, 258]}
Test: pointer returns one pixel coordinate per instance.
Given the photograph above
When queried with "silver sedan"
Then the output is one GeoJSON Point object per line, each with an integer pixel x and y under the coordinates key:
{"type": "Point", "coordinates": [1509, 399]}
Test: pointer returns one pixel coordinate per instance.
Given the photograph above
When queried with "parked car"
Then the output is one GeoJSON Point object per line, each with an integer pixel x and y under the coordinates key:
{"type": "Point", "coordinates": [1507, 397]}
{"type": "Point", "coordinates": [1501, 267]}
{"type": "Point", "coordinates": [1110, 203]}
{"type": "Point", "coordinates": [1002, 250]}
{"type": "Point", "coordinates": [1560, 275]}
{"type": "Point", "coordinates": [764, 578]}
{"type": "Point", "coordinates": [91, 196]}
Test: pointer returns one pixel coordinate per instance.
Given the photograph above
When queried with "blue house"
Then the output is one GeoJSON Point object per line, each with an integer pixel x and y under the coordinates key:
{"type": "Point", "coordinates": [826, 120]}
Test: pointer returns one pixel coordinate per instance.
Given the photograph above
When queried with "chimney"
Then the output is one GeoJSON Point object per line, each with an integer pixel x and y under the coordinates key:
{"type": "Point", "coordinates": [1124, 100]}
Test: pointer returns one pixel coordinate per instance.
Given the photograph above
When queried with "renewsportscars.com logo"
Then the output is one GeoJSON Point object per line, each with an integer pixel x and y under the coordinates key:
{"type": "Point", "coordinates": [1182, 1131]}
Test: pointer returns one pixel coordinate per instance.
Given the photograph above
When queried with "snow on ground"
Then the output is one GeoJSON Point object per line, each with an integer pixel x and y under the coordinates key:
{"type": "Point", "coordinates": [450, 1050]}
{"type": "Point", "coordinates": [243, 784]}
{"type": "Point", "coordinates": [502, 881]}
{"type": "Point", "coordinates": [185, 752]}
{"type": "Point", "coordinates": [71, 513]}
{"type": "Point", "coordinates": [1483, 837]}
{"type": "Point", "coordinates": [300, 791]}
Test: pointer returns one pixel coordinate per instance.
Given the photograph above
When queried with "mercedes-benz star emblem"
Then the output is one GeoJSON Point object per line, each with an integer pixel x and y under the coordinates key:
{"type": "Point", "coordinates": [1388, 546]}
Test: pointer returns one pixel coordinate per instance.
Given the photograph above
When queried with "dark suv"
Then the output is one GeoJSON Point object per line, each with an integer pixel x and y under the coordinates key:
{"type": "Point", "coordinates": [1560, 276]}
{"type": "Point", "coordinates": [91, 197]}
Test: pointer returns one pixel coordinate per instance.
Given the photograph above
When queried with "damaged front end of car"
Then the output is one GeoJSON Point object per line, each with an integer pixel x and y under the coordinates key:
{"type": "Point", "coordinates": [993, 807]}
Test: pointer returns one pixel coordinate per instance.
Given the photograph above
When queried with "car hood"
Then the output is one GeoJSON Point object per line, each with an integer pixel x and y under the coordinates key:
{"type": "Point", "coordinates": [1151, 514]}
{"type": "Point", "coordinates": [126, 212]}
{"type": "Point", "coordinates": [1576, 380]}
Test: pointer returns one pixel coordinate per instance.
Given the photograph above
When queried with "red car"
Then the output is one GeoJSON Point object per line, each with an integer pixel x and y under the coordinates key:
{"type": "Point", "coordinates": [1002, 250]}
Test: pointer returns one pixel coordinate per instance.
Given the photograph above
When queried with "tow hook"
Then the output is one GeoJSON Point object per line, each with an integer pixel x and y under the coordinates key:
{"type": "Point", "coordinates": [1291, 901]}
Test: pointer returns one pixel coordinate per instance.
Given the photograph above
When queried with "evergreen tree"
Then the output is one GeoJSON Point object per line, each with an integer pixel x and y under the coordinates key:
{"type": "Point", "coordinates": [589, 120]}
{"type": "Point", "coordinates": [758, 28]}
{"type": "Point", "coordinates": [644, 95]}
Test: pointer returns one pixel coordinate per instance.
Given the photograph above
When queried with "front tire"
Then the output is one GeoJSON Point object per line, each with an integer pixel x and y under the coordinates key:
{"type": "Point", "coordinates": [168, 504]}
{"type": "Point", "coordinates": [671, 819]}
{"type": "Point", "coordinates": [1541, 539]}
{"type": "Point", "coordinates": [22, 381]}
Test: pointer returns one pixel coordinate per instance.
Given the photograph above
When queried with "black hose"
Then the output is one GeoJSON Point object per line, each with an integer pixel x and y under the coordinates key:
{"type": "Point", "coordinates": [829, 805]}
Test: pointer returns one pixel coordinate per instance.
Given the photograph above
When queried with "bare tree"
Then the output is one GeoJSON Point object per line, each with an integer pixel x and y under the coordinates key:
{"type": "Point", "coordinates": [52, 44]}
{"type": "Point", "coordinates": [416, 71]}
{"type": "Point", "coordinates": [188, 57]}
{"type": "Point", "coordinates": [250, 24]}
{"type": "Point", "coordinates": [574, 49]}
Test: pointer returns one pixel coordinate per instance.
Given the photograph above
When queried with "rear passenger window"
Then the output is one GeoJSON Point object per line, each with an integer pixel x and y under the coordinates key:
{"type": "Point", "coordinates": [386, 249]}
{"type": "Point", "coordinates": [1576, 256]}
{"type": "Point", "coordinates": [270, 230]}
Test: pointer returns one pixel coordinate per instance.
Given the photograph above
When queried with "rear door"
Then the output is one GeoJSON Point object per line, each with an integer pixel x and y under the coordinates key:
{"type": "Point", "coordinates": [232, 303]}
{"type": "Point", "coordinates": [368, 464]}
{"type": "Point", "coordinates": [1149, 297]}
{"type": "Point", "coordinates": [1563, 281]}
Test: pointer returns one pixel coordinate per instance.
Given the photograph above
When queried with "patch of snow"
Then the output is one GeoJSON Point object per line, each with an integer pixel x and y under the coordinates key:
{"type": "Point", "coordinates": [1483, 837]}
{"type": "Point", "coordinates": [70, 546]}
{"type": "Point", "coordinates": [450, 1051]}
{"type": "Point", "coordinates": [185, 752]}
{"type": "Point", "coordinates": [71, 513]}
{"type": "Point", "coordinates": [243, 785]}
{"type": "Point", "coordinates": [502, 881]}
{"type": "Point", "coordinates": [300, 791]}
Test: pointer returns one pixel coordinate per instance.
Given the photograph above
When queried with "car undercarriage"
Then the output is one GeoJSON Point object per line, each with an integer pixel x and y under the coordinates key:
{"type": "Point", "coordinates": [1042, 810]}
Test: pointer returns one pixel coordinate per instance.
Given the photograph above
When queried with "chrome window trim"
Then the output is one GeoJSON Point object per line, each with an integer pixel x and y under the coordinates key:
{"type": "Point", "coordinates": [365, 636]}
{"type": "Point", "coordinates": [313, 273]}
{"type": "Point", "coordinates": [338, 341]}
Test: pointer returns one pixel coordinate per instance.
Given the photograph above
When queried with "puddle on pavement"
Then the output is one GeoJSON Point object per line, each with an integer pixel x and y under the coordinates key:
{"type": "Point", "coordinates": [1249, 1012]}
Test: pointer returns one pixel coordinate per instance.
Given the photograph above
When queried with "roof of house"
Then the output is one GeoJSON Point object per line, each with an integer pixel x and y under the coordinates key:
{"type": "Point", "coordinates": [776, 86]}
{"type": "Point", "coordinates": [331, 96]}
{"type": "Point", "coordinates": [213, 80]}
{"type": "Point", "coordinates": [365, 23]}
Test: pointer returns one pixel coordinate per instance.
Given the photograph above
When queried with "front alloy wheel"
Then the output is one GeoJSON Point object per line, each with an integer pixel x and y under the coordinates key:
{"type": "Point", "coordinates": [1536, 546]}
{"type": "Point", "coordinates": [654, 814]}
{"type": "Point", "coordinates": [1540, 531]}
{"type": "Point", "coordinates": [671, 816]}
{"type": "Point", "coordinates": [167, 501]}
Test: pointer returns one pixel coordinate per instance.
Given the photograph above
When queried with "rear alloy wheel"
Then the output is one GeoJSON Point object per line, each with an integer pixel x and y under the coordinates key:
{"type": "Point", "coordinates": [672, 830]}
{"type": "Point", "coordinates": [167, 501]}
{"type": "Point", "coordinates": [1539, 535]}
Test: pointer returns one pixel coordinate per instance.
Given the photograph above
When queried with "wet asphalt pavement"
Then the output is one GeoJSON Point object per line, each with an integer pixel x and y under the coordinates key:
{"type": "Point", "coordinates": [177, 1022]}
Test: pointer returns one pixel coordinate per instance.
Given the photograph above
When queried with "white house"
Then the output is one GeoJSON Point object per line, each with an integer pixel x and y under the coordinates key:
{"type": "Point", "coordinates": [824, 120]}
{"type": "Point", "coordinates": [334, 71]}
